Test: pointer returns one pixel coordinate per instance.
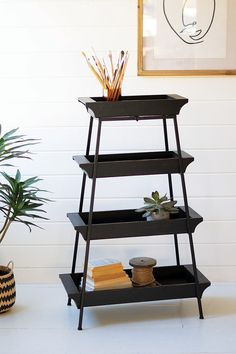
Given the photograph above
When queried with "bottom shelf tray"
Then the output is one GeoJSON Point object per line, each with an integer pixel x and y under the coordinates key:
{"type": "Point", "coordinates": [174, 282]}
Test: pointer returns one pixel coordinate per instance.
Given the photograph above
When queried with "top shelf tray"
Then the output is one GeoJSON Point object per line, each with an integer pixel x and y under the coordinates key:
{"type": "Point", "coordinates": [134, 107]}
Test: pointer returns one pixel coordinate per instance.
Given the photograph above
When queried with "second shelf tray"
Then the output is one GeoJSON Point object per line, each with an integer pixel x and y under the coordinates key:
{"type": "Point", "coordinates": [128, 223]}
{"type": "Point", "coordinates": [131, 164]}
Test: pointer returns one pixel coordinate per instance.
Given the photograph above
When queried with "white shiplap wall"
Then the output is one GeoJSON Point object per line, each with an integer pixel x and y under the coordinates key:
{"type": "Point", "coordinates": [42, 73]}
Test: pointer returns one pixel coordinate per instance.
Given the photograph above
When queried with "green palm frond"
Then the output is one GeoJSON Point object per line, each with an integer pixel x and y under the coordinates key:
{"type": "Point", "coordinates": [19, 201]}
{"type": "Point", "coordinates": [11, 145]}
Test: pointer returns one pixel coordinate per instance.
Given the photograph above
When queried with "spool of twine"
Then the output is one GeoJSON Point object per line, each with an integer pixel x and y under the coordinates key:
{"type": "Point", "coordinates": [142, 272]}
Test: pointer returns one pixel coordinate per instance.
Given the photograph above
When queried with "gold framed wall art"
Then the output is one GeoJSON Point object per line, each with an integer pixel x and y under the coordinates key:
{"type": "Point", "coordinates": [186, 37]}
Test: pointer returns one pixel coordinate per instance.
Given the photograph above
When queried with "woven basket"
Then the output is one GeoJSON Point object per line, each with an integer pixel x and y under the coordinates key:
{"type": "Point", "coordinates": [7, 287]}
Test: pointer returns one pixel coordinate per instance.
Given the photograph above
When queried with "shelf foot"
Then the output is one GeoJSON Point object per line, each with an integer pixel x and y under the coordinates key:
{"type": "Point", "coordinates": [200, 309]}
{"type": "Point", "coordinates": [69, 301]}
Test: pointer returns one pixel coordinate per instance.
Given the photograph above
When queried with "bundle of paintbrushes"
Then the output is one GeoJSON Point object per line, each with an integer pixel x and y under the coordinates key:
{"type": "Point", "coordinates": [110, 78]}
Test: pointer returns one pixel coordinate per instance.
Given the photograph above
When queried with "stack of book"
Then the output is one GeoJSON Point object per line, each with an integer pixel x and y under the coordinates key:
{"type": "Point", "coordinates": [106, 274]}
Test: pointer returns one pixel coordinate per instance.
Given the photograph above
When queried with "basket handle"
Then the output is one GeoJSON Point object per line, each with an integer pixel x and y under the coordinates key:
{"type": "Point", "coordinates": [10, 265]}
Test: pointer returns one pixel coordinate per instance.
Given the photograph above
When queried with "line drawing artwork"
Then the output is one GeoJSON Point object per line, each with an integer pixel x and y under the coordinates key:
{"type": "Point", "coordinates": [188, 28]}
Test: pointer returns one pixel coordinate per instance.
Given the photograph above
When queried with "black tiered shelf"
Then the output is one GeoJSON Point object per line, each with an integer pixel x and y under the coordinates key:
{"type": "Point", "coordinates": [173, 282]}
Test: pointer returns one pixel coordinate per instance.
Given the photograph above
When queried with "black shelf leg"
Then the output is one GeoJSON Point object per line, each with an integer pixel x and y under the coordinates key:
{"type": "Point", "coordinates": [176, 249]}
{"type": "Point", "coordinates": [171, 189]}
{"type": "Point", "coordinates": [90, 217]}
{"type": "Point", "coordinates": [187, 219]}
{"type": "Point", "coordinates": [81, 202]}
{"type": "Point", "coordinates": [84, 174]}
{"type": "Point", "coordinates": [74, 260]}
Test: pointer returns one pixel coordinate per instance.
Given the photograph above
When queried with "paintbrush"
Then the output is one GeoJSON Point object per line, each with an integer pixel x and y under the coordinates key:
{"type": "Point", "coordinates": [111, 62]}
{"type": "Point", "coordinates": [111, 82]}
{"type": "Point", "coordinates": [121, 77]}
{"type": "Point", "coordinates": [116, 87]}
{"type": "Point", "coordinates": [93, 70]}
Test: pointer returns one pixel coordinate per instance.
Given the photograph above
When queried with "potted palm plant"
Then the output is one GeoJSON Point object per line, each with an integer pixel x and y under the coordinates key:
{"type": "Point", "coordinates": [19, 202]}
{"type": "Point", "coordinates": [157, 207]}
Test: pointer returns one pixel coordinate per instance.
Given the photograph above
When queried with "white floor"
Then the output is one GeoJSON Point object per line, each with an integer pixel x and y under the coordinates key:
{"type": "Point", "coordinates": [41, 323]}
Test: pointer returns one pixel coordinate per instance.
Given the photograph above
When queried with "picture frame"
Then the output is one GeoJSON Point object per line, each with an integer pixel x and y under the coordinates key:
{"type": "Point", "coordinates": [186, 37]}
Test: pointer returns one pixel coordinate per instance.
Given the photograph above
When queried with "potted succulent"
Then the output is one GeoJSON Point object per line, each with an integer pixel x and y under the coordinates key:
{"type": "Point", "coordinates": [157, 207]}
{"type": "Point", "coordinates": [19, 202]}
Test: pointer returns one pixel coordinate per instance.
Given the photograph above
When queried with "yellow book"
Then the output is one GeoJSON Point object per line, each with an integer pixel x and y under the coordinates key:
{"type": "Point", "coordinates": [114, 286]}
{"type": "Point", "coordinates": [123, 279]}
{"type": "Point", "coordinates": [102, 266]}
{"type": "Point", "coordinates": [119, 285]}
{"type": "Point", "coordinates": [105, 276]}
{"type": "Point", "coordinates": [106, 271]}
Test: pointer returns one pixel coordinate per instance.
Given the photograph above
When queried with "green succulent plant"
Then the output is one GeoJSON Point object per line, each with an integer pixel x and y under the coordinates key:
{"type": "Point", "coordinates": [19, 199]}
{"type": "Point", "coordinates": [157, 204]}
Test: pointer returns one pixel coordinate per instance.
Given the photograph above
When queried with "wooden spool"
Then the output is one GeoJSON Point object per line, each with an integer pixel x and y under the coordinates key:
{"type": "Point", "coordinates": [142, 272]}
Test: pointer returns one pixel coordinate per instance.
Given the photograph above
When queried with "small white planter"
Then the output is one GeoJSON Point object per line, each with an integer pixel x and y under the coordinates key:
{"type": "Point", "coordinates": [158, 216]}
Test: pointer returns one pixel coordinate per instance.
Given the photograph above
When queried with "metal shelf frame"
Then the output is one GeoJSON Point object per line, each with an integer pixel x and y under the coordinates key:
{"type": "Point", "coordinates": [198, 287]}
